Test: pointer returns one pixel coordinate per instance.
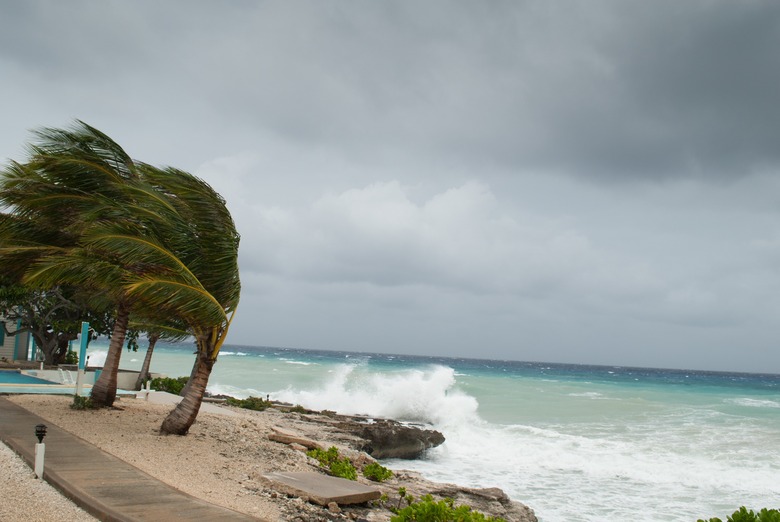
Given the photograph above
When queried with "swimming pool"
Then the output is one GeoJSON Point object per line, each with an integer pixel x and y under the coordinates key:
{"type": "Point", "coordinates": [15, 382]}
{"type": "Point", "coordinates": [16, 377]}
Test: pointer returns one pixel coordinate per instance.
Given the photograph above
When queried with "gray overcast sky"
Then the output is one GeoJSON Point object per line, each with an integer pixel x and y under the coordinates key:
{"type": "Point", "coordinates": [594, 182]}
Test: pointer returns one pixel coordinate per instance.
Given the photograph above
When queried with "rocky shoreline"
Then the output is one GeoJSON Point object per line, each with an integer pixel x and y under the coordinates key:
{"type": "Point", "coordinates": [379, 438]}
{"type": "Point", "coordinates": [225, 458]}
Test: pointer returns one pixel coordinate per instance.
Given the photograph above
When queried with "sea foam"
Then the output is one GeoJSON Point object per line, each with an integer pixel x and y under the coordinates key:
{"type": "Point", "coordinates": [754, 403]}
{"type": "Point", "coordinates": [416, 395]}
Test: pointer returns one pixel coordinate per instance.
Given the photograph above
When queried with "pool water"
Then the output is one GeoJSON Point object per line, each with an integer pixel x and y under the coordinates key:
{"type": "Point", "coordinates": [16, 377]}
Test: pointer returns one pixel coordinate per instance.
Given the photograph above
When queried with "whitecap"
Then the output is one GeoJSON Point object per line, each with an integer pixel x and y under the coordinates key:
{"type": "Point", "coordinates": [754, 403]}
{"type": "Point", "coordinates": [233, 391]}
{"type": "Point", "coordinates": [591, 395]}
{"type": "Point", "coordinates": [418, 395]}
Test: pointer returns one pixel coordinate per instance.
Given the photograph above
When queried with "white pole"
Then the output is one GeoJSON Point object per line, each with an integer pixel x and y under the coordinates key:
{"type": "Point", "coordinates": [40, 451]}
{"type": "Point", "coordinates": [79, 381]}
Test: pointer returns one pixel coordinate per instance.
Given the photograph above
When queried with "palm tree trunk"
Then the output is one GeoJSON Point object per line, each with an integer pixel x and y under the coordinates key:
{"type": "Point", "coordinates": [104, 391]}
{"type": "Point", "coordinates": [180, 419]}
{"type": "Point", "coordinates": [144, 375]}
{"type": "Point", "coordinates": [186, 389]}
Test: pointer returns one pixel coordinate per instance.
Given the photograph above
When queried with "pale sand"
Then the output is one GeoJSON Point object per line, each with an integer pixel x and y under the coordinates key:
{"type": "Point", "coordinates": [221, 460]}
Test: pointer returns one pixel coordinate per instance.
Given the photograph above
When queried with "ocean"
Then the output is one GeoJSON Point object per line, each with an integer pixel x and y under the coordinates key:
{"type": "Point", "coordinates": [575, 443]}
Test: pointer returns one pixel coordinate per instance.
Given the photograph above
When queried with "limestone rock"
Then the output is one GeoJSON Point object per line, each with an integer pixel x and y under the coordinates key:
{"type": "Point", "coordinates": [487, 500]}
{"type": "Point", "coordinates": [388, 439]}
{"type": "Point", "coordinates": [288, 437]}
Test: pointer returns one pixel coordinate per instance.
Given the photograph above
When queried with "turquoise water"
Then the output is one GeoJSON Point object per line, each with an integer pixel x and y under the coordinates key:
{"type": "Point", "coordinates": [15, 377]}
{"type": "Point", "coordinates": [576, 443]}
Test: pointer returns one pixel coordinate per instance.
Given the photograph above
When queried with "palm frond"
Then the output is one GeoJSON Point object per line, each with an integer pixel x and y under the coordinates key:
{"type": "Point", "coordinates": [189, 302]}
{"type": "Point", "coordinates": [160, 238]}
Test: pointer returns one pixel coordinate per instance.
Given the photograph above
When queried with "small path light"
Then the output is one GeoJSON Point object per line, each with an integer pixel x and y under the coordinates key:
{"type": "Point", "coordinates": [40, 432]}
{"type": "Point", "coordinates": [40, 449]}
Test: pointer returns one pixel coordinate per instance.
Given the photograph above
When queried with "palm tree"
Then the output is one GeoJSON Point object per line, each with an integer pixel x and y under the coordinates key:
{"type": "Point", "coordinates": [75, 182]}
{"type": "Point", "coordinates": [157, 241]}
{"type": "Point", "coordinates": [207, 242]}
{"type": "Point", "coordinates": [159, 328]}
{"type": "Point", "coordinates": [143, 375]}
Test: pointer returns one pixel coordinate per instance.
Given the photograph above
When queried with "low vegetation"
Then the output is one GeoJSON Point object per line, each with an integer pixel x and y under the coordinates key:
{"type": "Point", "coordinates": [81, 403]}
{"type": "Point", "coordinates": [337, 465]}
{"type": "Point", "coordinates": [376, 472]}
{"type": "Point", "coordinates": [298, 409]}
{"type": "Point", "coordinates": [169, 384]}
{"type": "Point", "coordinates": [429, 510]}
{"type": "Point", "coordinates": [251, 403]}
{"type": "Point", "coordinates": [744, 514]}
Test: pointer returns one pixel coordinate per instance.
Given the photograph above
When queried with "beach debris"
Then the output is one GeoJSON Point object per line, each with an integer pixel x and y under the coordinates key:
{"type": "Point", "coordinates": [322, 489]}
{"type": "Point", "coordinates": [289, 437]}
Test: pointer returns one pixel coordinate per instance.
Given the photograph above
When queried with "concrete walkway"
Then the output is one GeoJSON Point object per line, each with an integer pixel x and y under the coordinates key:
{"type": "Point", "coordinates": [101, 484]}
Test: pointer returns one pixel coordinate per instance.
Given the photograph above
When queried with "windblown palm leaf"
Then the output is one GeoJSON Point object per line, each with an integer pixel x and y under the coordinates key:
{"type": "Point", "coordinates": [207, 240]}
{"type": "Point", "coordinates": [158, 241]}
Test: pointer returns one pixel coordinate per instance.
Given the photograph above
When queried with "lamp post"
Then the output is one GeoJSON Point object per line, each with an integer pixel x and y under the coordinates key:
{"type": "Point", "coordinates": [40, 449]}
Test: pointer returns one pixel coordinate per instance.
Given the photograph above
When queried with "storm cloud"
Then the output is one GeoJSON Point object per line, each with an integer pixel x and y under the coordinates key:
{"type": "Point", "coordinates": [579, 182]}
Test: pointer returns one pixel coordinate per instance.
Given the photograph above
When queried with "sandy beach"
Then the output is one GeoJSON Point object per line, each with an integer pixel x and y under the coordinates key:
{"type": "Point", "coordinates": [221, 460]}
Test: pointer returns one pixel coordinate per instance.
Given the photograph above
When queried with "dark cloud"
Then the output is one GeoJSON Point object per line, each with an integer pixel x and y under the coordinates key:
{"type": "Point", "coordinates": [611, 90]}
{"type": "Point", "coordinates": [588, 182]}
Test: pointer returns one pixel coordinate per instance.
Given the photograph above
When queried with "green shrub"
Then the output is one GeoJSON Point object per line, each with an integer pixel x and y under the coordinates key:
{"type": "Point", "coordinates": [428, 510]}
{"type": "Point", "coordinates": [298, 409]}
{"type": "Point", "coordinates": [338, 466]}
{"type": "Point", "coordinates": [71, 358]}
{"type": "Point", "coordinates": [325, 457]}
{"type": "Point", "coordinates": [743, 514]}
{"type": "Point", "coordinates": [343, 468]}
{"type": "Point", "coordinates": [376, 472]}
{"type": "Point", "coordinates": [168, 384]}
{"type": "Point", "coordinates": [81, 403]}
{"type": "Point", "coordinates": [251, 403]}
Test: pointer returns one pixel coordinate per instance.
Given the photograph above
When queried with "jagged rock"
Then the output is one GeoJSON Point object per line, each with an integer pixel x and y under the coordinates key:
{"type": "Point", "coordinates": [380, 438]}
{"type": "Point", "coordinates": [387, 439]}
{"type": "Point", "coordinates": [288, 437]}
{"type": "Point", "coordinates": [487, 500]}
